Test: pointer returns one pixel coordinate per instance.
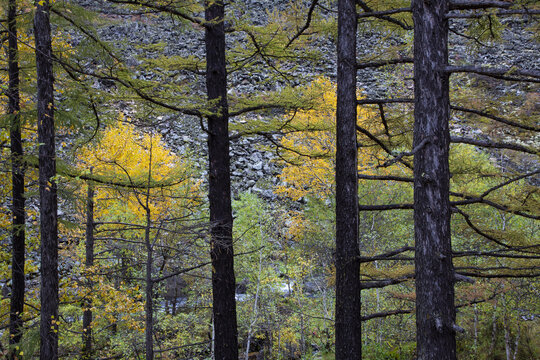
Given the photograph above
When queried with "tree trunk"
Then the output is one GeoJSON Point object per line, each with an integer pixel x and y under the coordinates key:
{"type": "Point", "coordinates": [223, 281]}
{"type": "Point", "coordinates": [516, 341]}
{"type": "Point", "coordinates": [348, 316]}
{"type": "Point", "coordinates": [149, 306]}
{"type": "Point", "coordinates": [87, 351]}
{"type": "Point", "coordinates": [435, 313]}
{"type": "Point", "coordinates": [493, 331]}
{"type": "Point", "coordinates": [47, 185]}
{"type": "Point", "coordinates": [507, 339]}
{"type": "Point", "coordinates": [17, 179]}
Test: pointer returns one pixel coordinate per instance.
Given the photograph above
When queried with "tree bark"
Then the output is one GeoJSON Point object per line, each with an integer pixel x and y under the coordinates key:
{"type": "Point", "coordinates": [17, 180]}
{"type": "Point", "coordinates": [434, 273]}
{"type": "Point", "coordinates": [348, 315]}
{"type": "Point", "coordinates": [47, 184]}
{"type": "Point", "coordinates": [149, 305]}
{"type": "Point", "coordinates": [87, 351]}
{"type": "Point", "coordinates": [223, 280]}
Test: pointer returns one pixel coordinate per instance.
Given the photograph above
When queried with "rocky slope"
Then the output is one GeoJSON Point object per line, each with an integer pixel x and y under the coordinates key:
{"type": "Point", "coordinates": [252, 167]}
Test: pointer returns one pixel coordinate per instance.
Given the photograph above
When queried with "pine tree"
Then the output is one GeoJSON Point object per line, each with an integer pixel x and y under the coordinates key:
{"type": "Point", "coordinates": [348, 314]}
{"type": "Point", "coordinates": [17, 175]}
{"type": "Point", "coordinates": [223, 279]}
{"type": "Point", "coordinates": [47, 184]}
{"type": "Point", "coordinates": [434, 273]}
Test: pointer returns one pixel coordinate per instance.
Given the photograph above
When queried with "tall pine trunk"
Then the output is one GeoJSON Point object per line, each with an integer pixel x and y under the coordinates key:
{"type": "Point", "coordinates": [435, 313]}
{"type": "Point", "coordinates": [149, 285]}
{"type": "Point", "coordinates": [222, 256]}
{"type": "Point", "coordinates": [348, 316]}
{"type": "Point", "coordinates": [17, 180]}
{"type": "Point", "coordinates": [47, 184]}
{"type": "Point", "coordinates": [89, 263]}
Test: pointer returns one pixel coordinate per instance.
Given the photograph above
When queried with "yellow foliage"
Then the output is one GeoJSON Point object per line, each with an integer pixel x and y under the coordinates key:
{"type": "Point", "coordinates": [129, 157]}
{"type": "Point", "coordinates": [310, 147]}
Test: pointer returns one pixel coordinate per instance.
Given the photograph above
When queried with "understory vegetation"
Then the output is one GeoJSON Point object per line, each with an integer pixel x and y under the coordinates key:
{"type": "Point", "coordinates": [136, 238]}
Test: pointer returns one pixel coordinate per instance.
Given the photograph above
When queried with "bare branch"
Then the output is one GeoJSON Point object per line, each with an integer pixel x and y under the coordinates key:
{"type": "Point", "coordinates": [479, 4]}
{"type": "Point", "coordinates": [385, 256]}
{"type": "Point", "coordinates": [163, 8]}
{"type": "Point", "coordinates": [385, 207]}
{"type": "Point", "coordinates": [383, 283]}
{"type": "Point", "coordinates": [508, 182]}
{"type": "Point", "coordinates": [500, 276]}
{"type": "Point", "coordinates": [381, 144]}
{"type": "Point", "coordinates": [498, 253]}
{"type": "Point", "coordinates": [386, 314]}
{"type": "Point", "coordinates": [385, 178]}
{"type": "Point", "coordinates": [399, 156]}
{"type": "Point", "coordinates": [495, 118]}
{"type": "Point", "coordinates": [499, 13]}
{"type": "Point", "coordinates": [509, 74]}
{"type": "Point", "coordinates": [370, 13]}
{"type": "Point", "coordinates": [490, 144]}
{"type": "Point", "coordinates": [384, 101]}
{"type": "Point", "coordinates": [381, 63]}
{"type": "Point", "coordinates": [459, 277]}
{"type": "Point", "coordinates": [480, 232]}
{"type": "Point", "coordinates": [380, 14]}
{"type": "Point", "coordinates": [306, 25]}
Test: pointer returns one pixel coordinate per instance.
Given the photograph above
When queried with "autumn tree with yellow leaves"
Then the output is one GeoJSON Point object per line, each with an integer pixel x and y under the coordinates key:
{"type": "Point", "coordinates": [147, 201]}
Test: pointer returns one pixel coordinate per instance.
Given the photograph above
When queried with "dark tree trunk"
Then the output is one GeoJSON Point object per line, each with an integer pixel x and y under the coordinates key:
{"type": "Point", "coordinates": [17, 179]}
{"type": "Point", "coordinates": [348, 316]}
{"type": "Point", "coordinates": [223, 281]}
{"type": "Point", "coordinates": [47, 185]}
{"type": "Point", "coordinates": [149, 284]}
{"type": "Point", "coordinates": [87, 352]}
{"type": "Point", "coordinates": [435, 314]}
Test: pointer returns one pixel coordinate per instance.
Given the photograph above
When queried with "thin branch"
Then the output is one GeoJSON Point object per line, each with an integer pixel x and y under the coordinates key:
{"type": "Point", "coordinates": [399, 156]}
{"type": "Point", "coordinates": [499, 276]}
{"type": "Point", "coordinates": [381, 63]}
{"type": "Point", "coordinates": [369, 12]}
{"type": "Point", "coordinates": [376, 284]}
{"type": "Point", "coordinates": [509, 74]}
{"type": "Point", "coordinates": [385, 256]}
{"type": "Point", "coordinates": [162, 8]}
{"type": "Point", "coordinates": [495, 118]}
{"type": "Point", "coordinates": [380, 14]}
{"type": "Point", "coordinates": [306, 25]}
{"type": "Point", "coordinates": [385, 101]}
{"type": "Point", "coordinates": [385, 178]}
{"type": "Point", "coordinates": [386, 314]}
{"type": "Point", "coordinates": [478, 200]}
{"type": "Point", "coordinates": [84, 30]}
{"type": "Point", "coordinates": [510, 12]}
{"type": "Point", "coordinates": [479, 4]}
{"type": "Point", "coordinates": [490, 144]}
{"type": "Point", "coordinates": [508, 182]}
{"type": "Point", "coordinates": [381, 144]}
{"type": "Point", "coordinates": [383, 120]}
{"type": "Point", "coordinates": [182, 346]}
{"type": "Point", "coordinates": [492, 268]}
{"type": "Point", "coordinates": [480, 232]}
{"type": "Point", "coordinates": [497, 253]}
{"type": "Point", "coordinates": [385, 207]}
{"type": "Point", "coordinates": [129, 85]}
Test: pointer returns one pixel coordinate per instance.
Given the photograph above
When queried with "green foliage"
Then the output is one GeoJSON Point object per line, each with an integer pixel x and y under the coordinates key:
{"type": "Point", "coordinates": [390, 350]}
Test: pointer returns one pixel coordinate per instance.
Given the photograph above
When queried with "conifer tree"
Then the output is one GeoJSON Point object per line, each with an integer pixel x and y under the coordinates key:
{"type": "Point", "coordinates": [87, 350]}
{"type": "Point", "coordinates": [348, 314]}
{"type": "Point", "coordinates": [221, 221]}
{"type": "Point", "coordinates": [47, 184]}
{"type": "Point", "coordinates": [17, 176]}
{"type": "Point", "coordinates": [434, 273]}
